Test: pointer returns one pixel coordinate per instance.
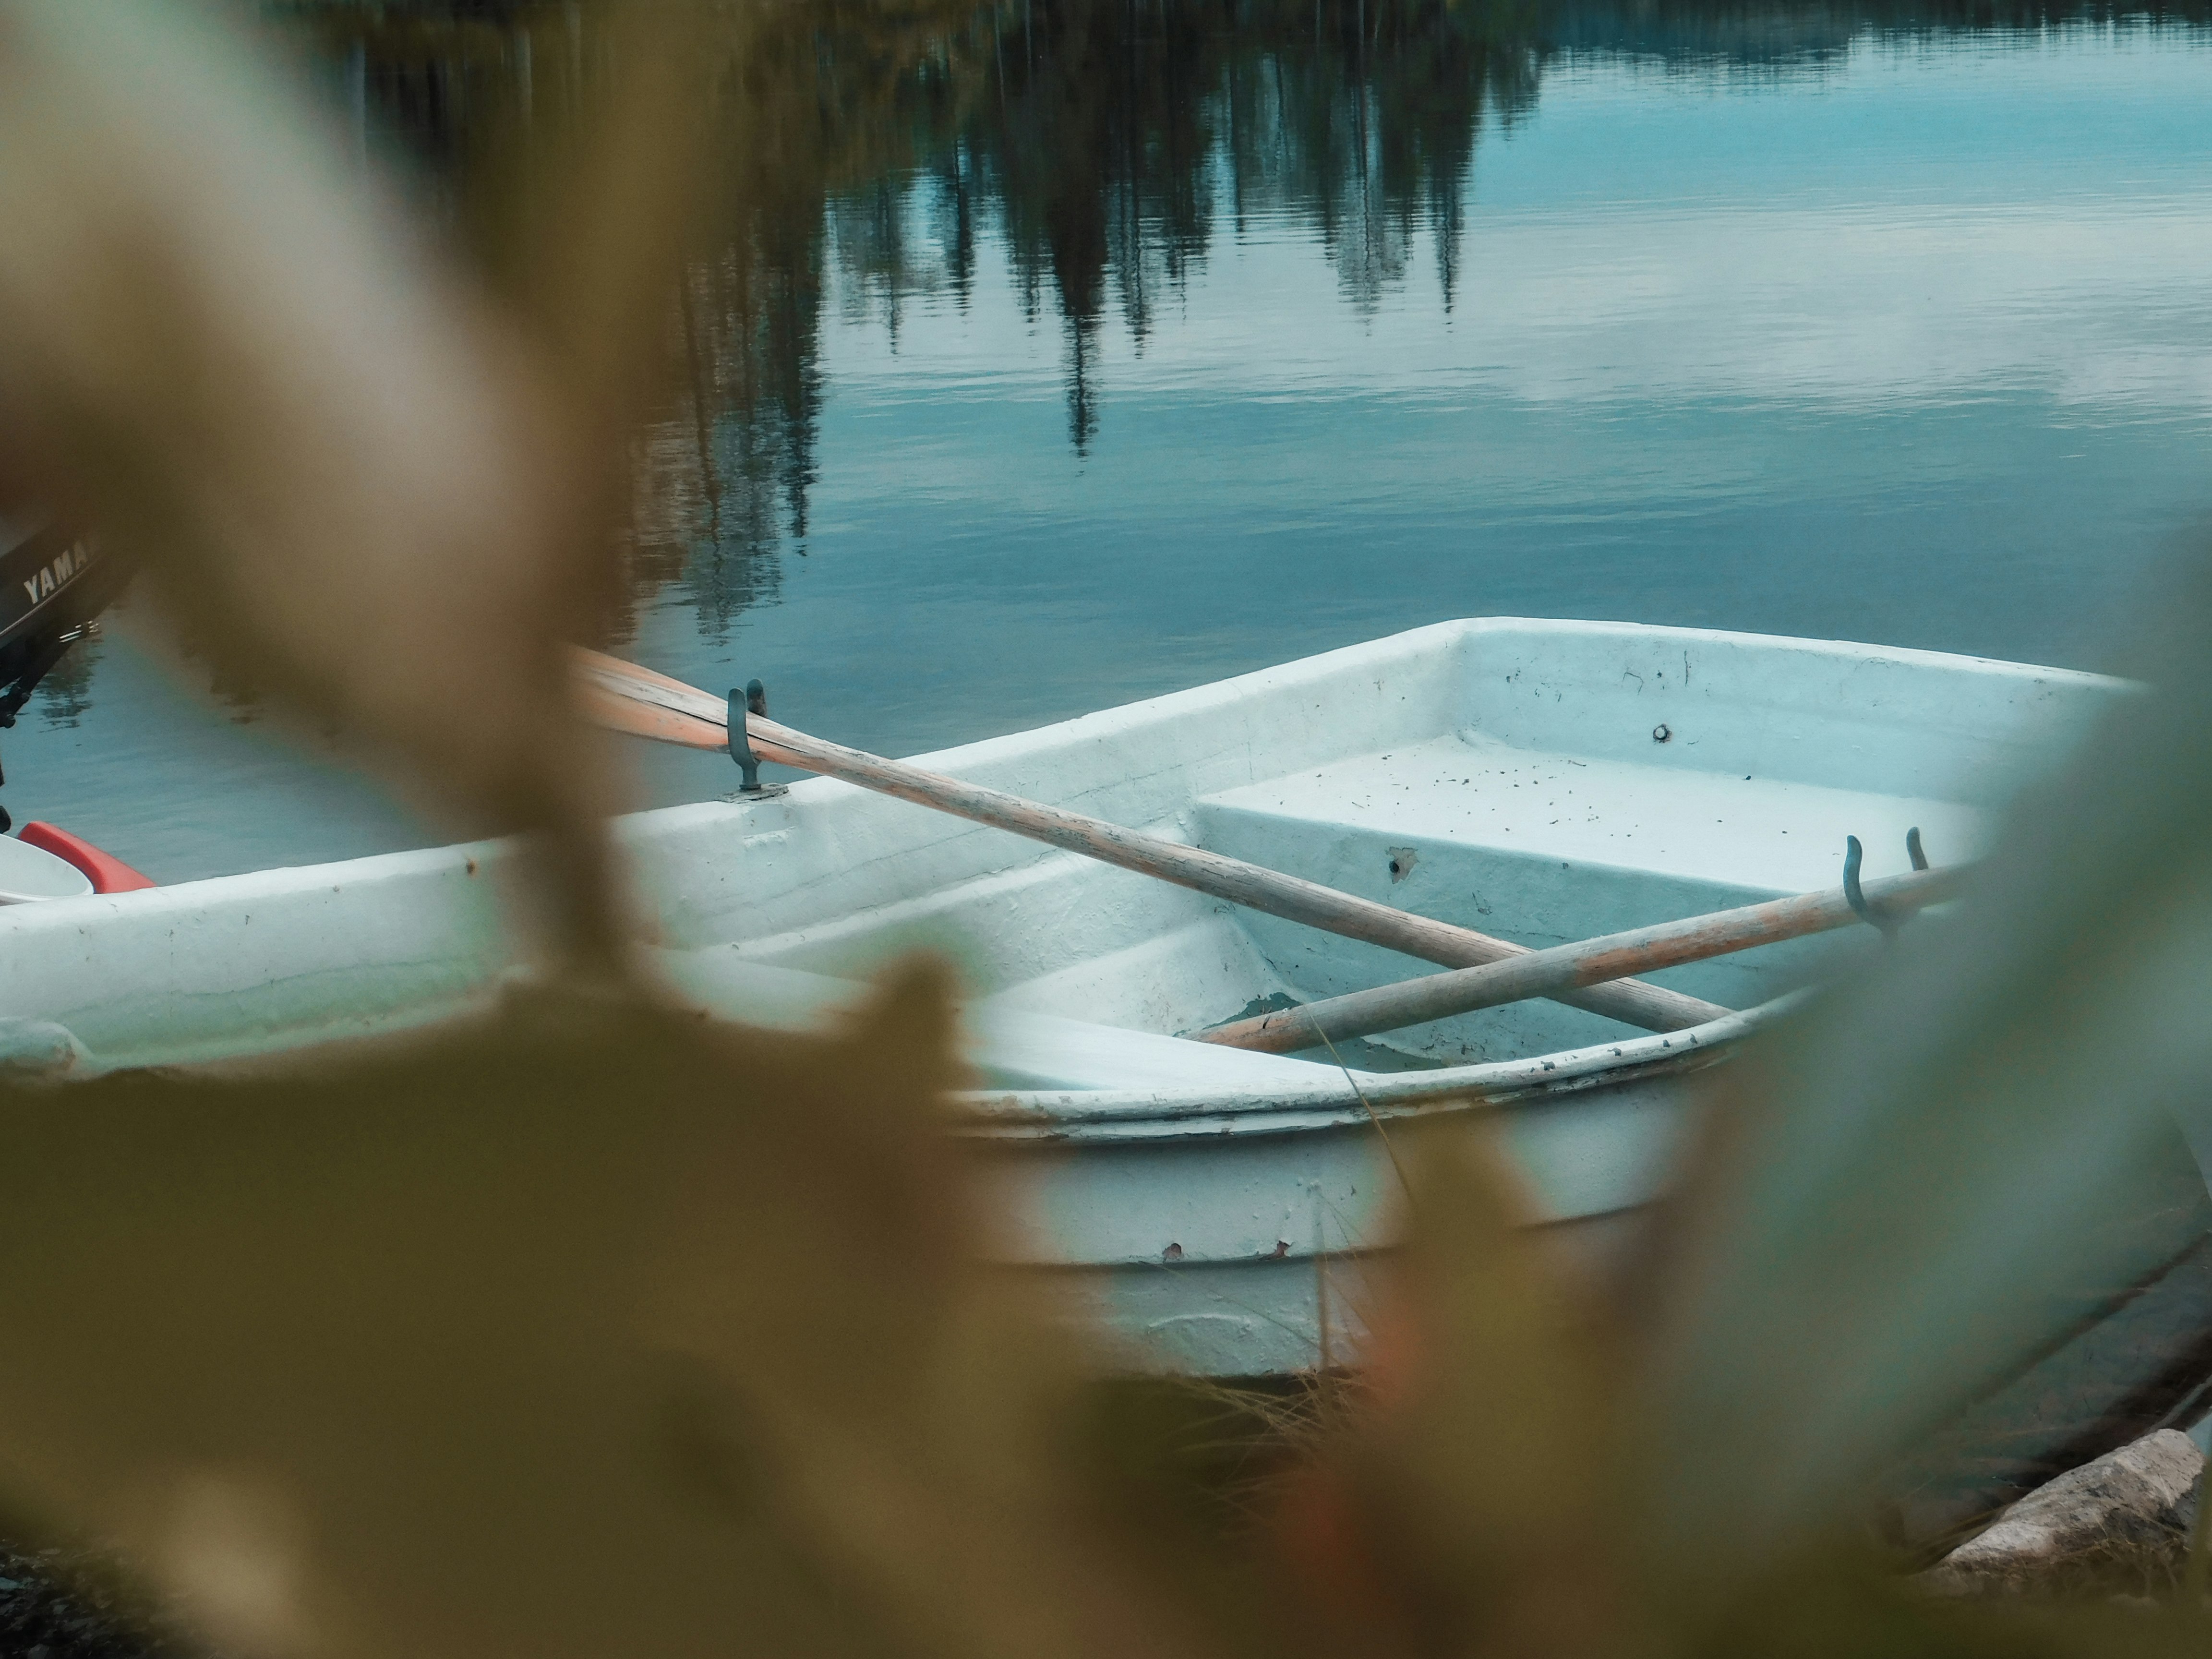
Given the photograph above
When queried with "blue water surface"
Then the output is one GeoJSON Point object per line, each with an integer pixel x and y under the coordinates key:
{"type": "Point", "coordinates": [1908, 341]}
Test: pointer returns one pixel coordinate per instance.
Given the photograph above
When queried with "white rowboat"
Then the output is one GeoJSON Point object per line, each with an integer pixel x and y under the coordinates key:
{"type": "Point", "coordinates": [1207, 1207]}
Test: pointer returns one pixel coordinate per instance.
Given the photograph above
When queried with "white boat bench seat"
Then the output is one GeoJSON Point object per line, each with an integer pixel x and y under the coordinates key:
{"type": "Point", "coordinates": [1732, 833]}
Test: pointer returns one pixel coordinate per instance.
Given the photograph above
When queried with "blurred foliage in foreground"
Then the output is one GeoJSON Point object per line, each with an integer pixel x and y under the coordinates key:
{"type": "Point", "coordinates": [594, 1328]}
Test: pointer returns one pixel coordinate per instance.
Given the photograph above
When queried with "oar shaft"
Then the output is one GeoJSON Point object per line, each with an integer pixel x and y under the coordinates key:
{"type": "Point", "coordinates": [1566, 967]}
{"type": "Point", "coordinates": [1250, 885]}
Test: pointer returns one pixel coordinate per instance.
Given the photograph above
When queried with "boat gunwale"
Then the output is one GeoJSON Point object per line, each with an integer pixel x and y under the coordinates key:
{"type": "Point", "coordinates": [1350, 1098]}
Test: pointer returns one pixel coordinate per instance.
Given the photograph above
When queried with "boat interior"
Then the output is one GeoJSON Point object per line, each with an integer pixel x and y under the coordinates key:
{"type": "Point", "coordinates": [1542, 782]}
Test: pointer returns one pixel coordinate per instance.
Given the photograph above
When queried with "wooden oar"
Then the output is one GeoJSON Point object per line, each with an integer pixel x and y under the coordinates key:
{"type": "Point", "coordinates": [636, 700]}
{"type": "Point", "coordinates": [1561, 968]}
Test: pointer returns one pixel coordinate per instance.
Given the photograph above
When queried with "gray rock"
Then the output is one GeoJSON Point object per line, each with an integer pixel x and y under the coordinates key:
{"type": "Point", "coordinates": [2120, 1523]}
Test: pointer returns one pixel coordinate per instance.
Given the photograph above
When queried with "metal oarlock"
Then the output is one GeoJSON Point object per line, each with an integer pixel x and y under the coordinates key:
{"type": "Point", "coordinates": [754, 700]}
{"type": "Point", "coordinates": [1853, 857]}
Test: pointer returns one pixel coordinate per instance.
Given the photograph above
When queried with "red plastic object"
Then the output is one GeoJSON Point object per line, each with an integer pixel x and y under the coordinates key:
{"type": "Point", "coordinates": [107, 874]}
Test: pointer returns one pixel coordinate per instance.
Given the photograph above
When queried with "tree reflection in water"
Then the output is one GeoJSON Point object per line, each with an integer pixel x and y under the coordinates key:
{"type": "Point", "coordinates": [1104, 142]}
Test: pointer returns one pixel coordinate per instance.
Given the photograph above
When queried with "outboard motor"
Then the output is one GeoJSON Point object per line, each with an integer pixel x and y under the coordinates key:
{"type": "Point", "coordinates": [54, 586]}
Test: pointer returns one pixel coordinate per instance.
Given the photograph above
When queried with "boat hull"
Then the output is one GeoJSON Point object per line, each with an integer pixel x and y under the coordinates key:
{"type": "Point", "coordinates": [1240, 1243]}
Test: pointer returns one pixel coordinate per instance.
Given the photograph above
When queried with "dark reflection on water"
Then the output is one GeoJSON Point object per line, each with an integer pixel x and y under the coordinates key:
{"type": "Point", "coordinates": [1053, 354]}
{"type": "Point", "coordinates": [1104, 146]}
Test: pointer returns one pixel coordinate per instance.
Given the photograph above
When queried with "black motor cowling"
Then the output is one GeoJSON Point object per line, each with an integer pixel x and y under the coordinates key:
{"type": "Point", "coordinates": [53, 582]}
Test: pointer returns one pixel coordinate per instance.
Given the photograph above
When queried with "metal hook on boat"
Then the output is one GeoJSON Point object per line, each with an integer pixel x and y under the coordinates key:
{"type": "Point", "coordinates": [753, 700]}
{"type": "Point", "coordinates": [1853, 856]}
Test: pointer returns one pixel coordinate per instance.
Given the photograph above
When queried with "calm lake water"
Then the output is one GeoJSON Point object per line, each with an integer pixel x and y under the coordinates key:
{"type": "Point", "coordinates": [1207, 347]}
